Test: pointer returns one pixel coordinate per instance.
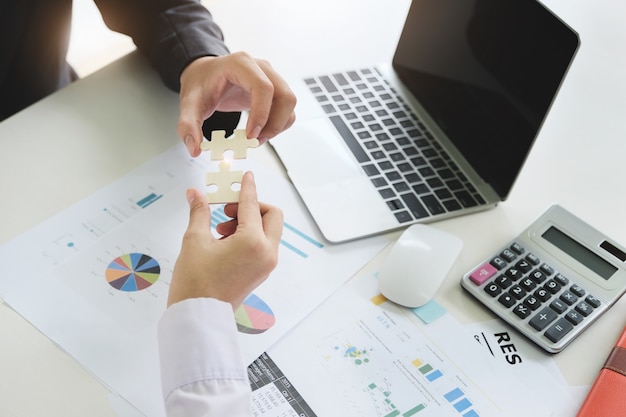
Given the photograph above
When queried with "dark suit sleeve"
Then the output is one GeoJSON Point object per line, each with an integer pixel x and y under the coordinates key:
{"type": "Point", "coordinates": [170, 33]}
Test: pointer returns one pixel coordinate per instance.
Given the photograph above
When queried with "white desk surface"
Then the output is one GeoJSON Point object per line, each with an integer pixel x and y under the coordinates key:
{"type": "Point", "coordinates": [69, 145]}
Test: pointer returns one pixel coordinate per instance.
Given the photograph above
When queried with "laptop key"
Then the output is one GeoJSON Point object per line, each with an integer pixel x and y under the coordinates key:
{"type": "Point", "coordinates": [414, 205]}
{"type": "Point", "coordinates": [432, 204]}
{"type": "Point", "coordinates": [349, 139]}
{"type": "Point", "coordinates": [465, 198]}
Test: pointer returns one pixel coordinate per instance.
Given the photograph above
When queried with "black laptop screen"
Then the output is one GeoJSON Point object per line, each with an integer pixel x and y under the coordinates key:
{"type": "Point", "coordinates": [486, 71]}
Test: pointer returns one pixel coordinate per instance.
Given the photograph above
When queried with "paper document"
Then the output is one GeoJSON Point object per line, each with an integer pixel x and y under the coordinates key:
{"type": "Point", "coordinates": [95, 277]}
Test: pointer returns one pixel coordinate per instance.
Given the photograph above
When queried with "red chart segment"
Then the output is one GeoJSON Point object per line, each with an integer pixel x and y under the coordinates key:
{"type": "Point", "coordinates": [254, 316]}
{"type": "Point", "coordinates": [132, 272]}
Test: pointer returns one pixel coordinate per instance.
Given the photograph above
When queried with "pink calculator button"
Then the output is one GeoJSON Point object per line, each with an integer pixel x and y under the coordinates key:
{"type": "Point", "coordinates": [483, 273]}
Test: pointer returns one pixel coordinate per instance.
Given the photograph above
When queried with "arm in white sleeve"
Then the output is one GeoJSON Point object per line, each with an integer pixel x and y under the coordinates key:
{"type": "Point", "coordinates": [202, 368]}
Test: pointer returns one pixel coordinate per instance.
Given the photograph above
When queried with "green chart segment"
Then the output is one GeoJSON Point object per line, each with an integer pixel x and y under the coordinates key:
{"type": "Point", "coordinates": [132, 272]}
{"type": "Point", "coordinates": [254, 316]}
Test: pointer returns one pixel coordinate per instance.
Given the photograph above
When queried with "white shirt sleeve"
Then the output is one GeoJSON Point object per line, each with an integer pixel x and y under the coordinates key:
{"type": "Point", "coordinates": [202, 368]}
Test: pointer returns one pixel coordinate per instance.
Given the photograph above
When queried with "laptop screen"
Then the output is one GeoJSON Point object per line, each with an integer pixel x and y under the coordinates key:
{"type": "Point", "coordinates": [486, 71]}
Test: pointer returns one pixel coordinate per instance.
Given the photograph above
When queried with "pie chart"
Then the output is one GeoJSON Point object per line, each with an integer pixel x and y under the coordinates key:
{"type": "Point", "coordinates": [254, 316]}
{"type": "Point", "coordinates": [132, 272]}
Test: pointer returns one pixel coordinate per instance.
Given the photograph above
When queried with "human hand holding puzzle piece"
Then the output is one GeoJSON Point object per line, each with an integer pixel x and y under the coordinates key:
{"type": "Point", "coordinates": [224, 179]}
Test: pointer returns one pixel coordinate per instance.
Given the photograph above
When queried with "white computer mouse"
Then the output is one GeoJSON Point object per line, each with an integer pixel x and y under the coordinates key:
{"type": "Point", "coordinates": [417, 265]}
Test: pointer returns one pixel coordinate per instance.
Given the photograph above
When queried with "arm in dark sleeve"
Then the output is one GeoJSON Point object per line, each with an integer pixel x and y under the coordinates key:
{"type": "Point", "coordinates": [170, 33]}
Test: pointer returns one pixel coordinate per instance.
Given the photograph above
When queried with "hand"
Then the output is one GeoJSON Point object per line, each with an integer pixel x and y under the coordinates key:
{"type": "Point", "coordinates": [234, 82]}
{"type": "Point", "coordinates": [231, 267]}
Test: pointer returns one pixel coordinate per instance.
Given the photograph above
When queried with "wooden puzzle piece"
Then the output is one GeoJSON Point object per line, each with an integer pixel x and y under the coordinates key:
{"type": "Point", "coordinates": [224, 180]}
{"type": "Point", "coordinates": [237, 142]}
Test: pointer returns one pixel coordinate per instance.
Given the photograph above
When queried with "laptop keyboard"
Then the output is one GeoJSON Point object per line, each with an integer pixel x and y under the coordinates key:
{"type": "Point", "coordinates": [412, 172]}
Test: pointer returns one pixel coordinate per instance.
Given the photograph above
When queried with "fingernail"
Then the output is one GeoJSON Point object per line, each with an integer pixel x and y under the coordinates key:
{"type": "Point", "coordinates": [255, 132]}
{"type": "Point", "coordinates": [189, 143]}
{"type": "Point", "coordinates": [191, 195]}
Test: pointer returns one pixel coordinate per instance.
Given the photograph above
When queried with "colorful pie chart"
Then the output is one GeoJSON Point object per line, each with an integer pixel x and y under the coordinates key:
{"type": "Point", "coordinates": [254, 316]}
{"type": "Point", "coordinates": [132, 272]}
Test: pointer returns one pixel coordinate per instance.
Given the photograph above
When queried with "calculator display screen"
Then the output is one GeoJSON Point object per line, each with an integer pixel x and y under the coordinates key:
{"type": "Point", "coordinates": [579, 252]}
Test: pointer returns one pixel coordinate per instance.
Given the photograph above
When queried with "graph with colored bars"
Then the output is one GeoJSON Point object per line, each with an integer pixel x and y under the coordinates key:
{"type": "Point", "coordinates": [293, 239]}
{"type": "Point", "coordinates": [455, 396]}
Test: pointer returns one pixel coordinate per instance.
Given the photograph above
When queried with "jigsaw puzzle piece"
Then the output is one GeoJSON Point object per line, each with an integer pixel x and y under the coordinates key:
{"type": "Point", "coordinates": [238, 143]}
{"type": "Point", "coordinates": [224, 180]}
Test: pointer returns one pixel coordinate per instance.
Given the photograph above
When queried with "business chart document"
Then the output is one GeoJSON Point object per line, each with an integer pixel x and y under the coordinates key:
{"type": "Point", "coordinates": [94, 278]}
{"type": "Point", "coordinates": [361, 355]}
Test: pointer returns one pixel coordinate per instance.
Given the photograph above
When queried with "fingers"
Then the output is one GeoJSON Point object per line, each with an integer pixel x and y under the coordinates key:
{"type": "Point", "coordinates": [199, 211]}
{"type": "Point", "coordinates": [234, 82]}
{"type": "Point", "coordinates": [272, 106]}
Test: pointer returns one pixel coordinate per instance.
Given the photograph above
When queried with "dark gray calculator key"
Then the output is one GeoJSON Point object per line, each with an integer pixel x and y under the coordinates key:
{"type": "Point", "coordinates": [507, 300]}
{"type": "Point", "coordinates": [568, 298]}
{"type": "Point", "coordinates": [577, 290]}
{"type": "Point", "coordinates": [538, 276]}
{"type": "Point", "coordinates": [493, 289]}
{"type": "Point", "coordinates": [528, 284]}
{"type": "Point", "coordinates": [517, 292]}
{"type": "Point", "coordinates": [503, 281]}
{"type": "Point", "coordinates": [543, 318]}
{"type": "Point", "coordinates": [498, 263]}
{"type": "Point", "coordinates": [517, 248]}
{"type": "Point", "coordinates": [533, 259]}
{"type": "Point", "coordinates": [532, 302]}
{"type": "Point", "coordinates": [547, 269]}
{"type": "Point", "coordinates": [574, 317]}
{"type": "Point", "coordinates": [593, 301]}
{"type": "Point", "coordinates": [561, 279]}
{"type": "Point", "coordinates": [558, 306]}
{"type": "Point", "coordinates": [584, 308]}
{"type": "Point", "coordinates": [522, 311]}
{"type": "Point", "coordinates": [523, 265]}
{"type": "Point", "coordinates": [542, 294]}
{"type": "Point", "coordinates": [513, 273]}
{"type": "Point", "coordinates": [552, 286]}
{"type": "Point", "coordinates": [558, 330]}
{"type": "Point", "coordinates": [508, 254]}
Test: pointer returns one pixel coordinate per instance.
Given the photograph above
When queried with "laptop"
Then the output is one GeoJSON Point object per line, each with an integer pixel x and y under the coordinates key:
{"type": "Point", "coordinates": [441, 131]}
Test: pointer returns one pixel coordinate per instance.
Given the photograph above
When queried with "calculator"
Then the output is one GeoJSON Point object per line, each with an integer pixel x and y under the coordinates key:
{"type": "Point", "coordinates": [553, 280]}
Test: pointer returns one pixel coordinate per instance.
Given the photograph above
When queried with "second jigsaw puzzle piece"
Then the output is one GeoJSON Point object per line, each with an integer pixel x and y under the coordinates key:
{"type": "Point", "coordinates": [238, 143]}
{"type": "Point", "coordinates": [224, 180]}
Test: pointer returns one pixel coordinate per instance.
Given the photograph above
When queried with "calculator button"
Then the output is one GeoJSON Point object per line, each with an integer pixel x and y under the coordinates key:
{"type": "Point", "coordinates": [574, 317]}
{"type": "Point", "coordinates": [561, 279]}
{"type": "Point", "coordinates": [517, 248]}
{"type": "Point", "coordinates": [507, 300]}
{"type": "Point", "coordinates": [532, 302]}
{"type": "Point", "coordinates": [558, 306]}
{"type": "Point", "coordinates": [592, 301]}
{"type": "Point", "coordinates": [503, 281]}
{"type": "Point", "coordinates": [584, 308]}
{"type": "Point", "coordinates": [547, 269]}
{"type": "Point", "coordinates": [498, 263]}
{"type": "Point", "coordinates": [483, 273]}
{"type": "Point", "coordinates": [523, 266]}
{"type": "Point", "coordinates": [533, 259]}
{"type": "Point", "coordinates": [552, 286]}
{"type": "Point", "coordinates": [508, 255]}
{"type": "Point", "coordinates": [577, 290]}
{"type": "Point", "coordinates": [568, 298]}
{"type": "Point", "coordinates": [493, 289]}
{"type": "Point", "coordinates": [527, 284]}
{"type": "Point", "coordinates": [542, 294]}
{"type": "Point", "coordinates": [558, 330]}
{"type": "Point", "coordinates": [513, 273]}
{"type": "Point", "coordinates": [538, 276]}
{"type": "Point", "coordinates": [522, 311]}
{"type": "Point", "coordinates": [543, 318]}
{"type": "Point", "coordinates": [517, 292]}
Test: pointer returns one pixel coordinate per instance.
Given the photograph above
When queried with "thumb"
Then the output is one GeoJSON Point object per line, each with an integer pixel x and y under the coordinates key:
{"type": "Point", "coordinates": [199, 211]}
{"type": "Point", "coordinates": [190, 125]}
